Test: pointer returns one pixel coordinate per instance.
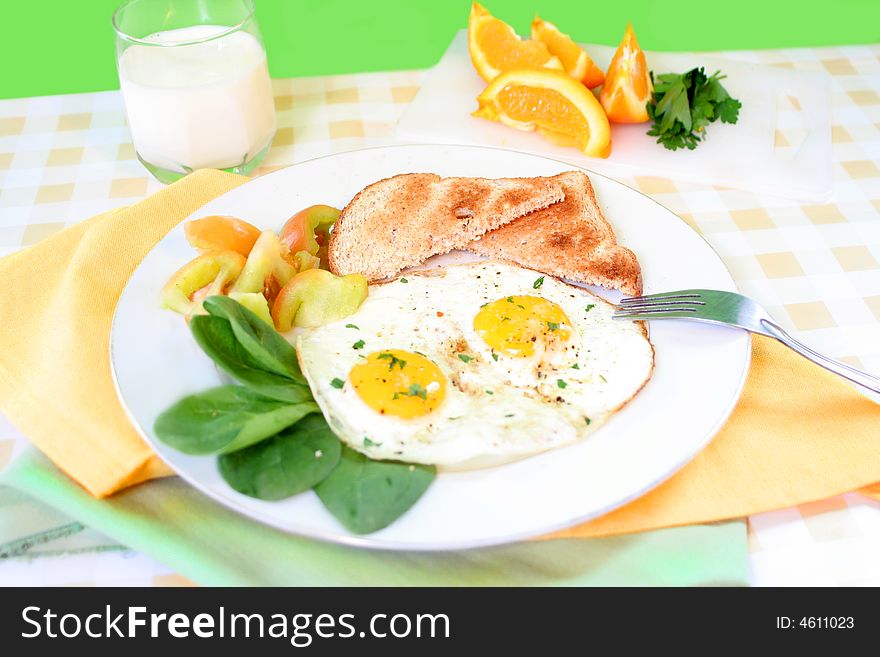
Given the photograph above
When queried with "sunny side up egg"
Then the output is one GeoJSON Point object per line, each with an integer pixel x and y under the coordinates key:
{"type": "Point", "coordinates": [473, 365]}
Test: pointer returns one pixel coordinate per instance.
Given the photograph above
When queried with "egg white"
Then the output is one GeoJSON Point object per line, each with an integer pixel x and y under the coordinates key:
{"type": "Point", "coordinates": [495, 410]}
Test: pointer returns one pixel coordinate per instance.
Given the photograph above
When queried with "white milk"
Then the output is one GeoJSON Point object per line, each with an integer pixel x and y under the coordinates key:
{"type": "Point", "coordinates": [205, 105]}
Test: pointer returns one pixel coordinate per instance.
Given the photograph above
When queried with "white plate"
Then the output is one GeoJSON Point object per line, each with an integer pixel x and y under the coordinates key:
{"type": "Point", "coordinates": [700, 370]}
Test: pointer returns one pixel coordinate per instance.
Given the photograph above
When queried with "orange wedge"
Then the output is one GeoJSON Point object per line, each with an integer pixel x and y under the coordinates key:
{"type": "Point", "coordinates": [559, 107]}
{"type": "Point", "coordinates": [627, 87]}
{"type": "Point", "coordinates": [576, 62]}
{"type": "Point", "coordinates": [495, 47]}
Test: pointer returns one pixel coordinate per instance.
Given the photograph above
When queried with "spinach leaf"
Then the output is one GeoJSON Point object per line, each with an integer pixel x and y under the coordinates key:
{"type": "Point", "coordinates": [291, 462]}
{"type": "Point", "coordinates": [225, 419]}
{"type": "Point", "coordinates": [265, 345]}
{"type": "Point", "coordinates": [366, 495]}
{"type": "Point", "coordinates": [217, 339]}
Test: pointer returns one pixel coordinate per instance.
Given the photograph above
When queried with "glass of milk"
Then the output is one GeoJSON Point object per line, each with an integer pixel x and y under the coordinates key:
{"type": "Point", "coordinates": [195, 84]}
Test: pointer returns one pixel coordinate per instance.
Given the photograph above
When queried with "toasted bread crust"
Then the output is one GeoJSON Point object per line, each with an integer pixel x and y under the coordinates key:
{"type": "Point", "coordinates": [401, 221]}
{"type": "Point", "coordinates": [570, 240]}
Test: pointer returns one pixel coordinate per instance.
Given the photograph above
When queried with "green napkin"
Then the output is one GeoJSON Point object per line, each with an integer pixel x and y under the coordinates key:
{"type": "Point", "coordinates": [174, 523]}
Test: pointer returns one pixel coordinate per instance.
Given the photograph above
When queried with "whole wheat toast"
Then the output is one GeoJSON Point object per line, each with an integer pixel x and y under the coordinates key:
{"type": "Point", "coordinates": [401, 221]}
{"type": "Point", "coordinates": [571, 239]}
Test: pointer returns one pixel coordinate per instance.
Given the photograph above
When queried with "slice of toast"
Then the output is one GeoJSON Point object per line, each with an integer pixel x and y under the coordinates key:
{"type": "Point", "coordinates": [570, 240]}
{"type": "Point", "coordinates": [401, 221]}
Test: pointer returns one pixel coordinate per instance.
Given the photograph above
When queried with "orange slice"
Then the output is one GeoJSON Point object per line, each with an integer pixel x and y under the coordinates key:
{"type": "Point", "coordinates": [552, 102]}
{"type": "Point", "coordinates": [576, 62]}
{"type": "Point", "coordinates": [495, 47]}
{"type": "Point", "coordinates": [627, 87]}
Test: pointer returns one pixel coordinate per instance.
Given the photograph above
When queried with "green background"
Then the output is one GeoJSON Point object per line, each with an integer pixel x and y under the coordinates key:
{"type": "Point", "coordinates": [66, 46]}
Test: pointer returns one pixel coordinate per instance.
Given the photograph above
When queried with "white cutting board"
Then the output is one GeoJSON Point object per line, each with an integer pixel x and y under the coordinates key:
{"type": "Point", "coordinates": [743, 156]}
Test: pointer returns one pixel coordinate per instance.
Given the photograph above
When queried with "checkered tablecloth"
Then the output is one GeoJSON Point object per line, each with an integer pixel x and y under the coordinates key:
{"type": "Point", "coordinates": [815, 267]}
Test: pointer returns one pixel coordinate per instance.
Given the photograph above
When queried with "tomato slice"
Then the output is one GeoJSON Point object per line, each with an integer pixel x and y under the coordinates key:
{"type": "Point", "coordinates": [316, 297]}
{"type": "Point", "coordinates": [218, 233]}
{"type": "Point", "coordinates": [208, 274]}
{"type": "Point", "coordinates": [267, 269]}
{"type": "Point", "coordinates": [255, 302]}
{"type": "Point", "coordinates": [308, 230]}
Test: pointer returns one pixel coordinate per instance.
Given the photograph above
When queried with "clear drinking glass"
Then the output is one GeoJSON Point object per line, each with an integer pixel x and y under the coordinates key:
{"type": "Point", "coordinates": [195, 83]}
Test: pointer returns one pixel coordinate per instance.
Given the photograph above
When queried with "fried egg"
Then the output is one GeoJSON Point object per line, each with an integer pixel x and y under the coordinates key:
{"type": "Point", "coordinates": [473, 365]}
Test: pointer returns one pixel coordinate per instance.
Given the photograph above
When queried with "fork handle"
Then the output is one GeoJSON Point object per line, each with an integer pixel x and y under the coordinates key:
{"type": "Point", "coordinates": [848, 372]}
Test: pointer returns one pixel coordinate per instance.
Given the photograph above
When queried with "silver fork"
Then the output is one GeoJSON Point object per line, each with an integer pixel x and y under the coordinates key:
{"type": "Point", "coordinates": [731, 309]}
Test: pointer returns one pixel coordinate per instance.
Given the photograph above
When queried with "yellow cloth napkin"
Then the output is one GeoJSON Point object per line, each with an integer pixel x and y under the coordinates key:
{"type": "Point", "coordinates": [57, 301]}
{"type": "Point", "coordinates": [799, 433]}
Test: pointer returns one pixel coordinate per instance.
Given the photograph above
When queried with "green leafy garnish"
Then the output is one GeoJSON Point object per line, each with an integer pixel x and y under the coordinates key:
{"type": "Point", "coordinates": [394, 360]}
{"type": "Point", "coordinates": [587, 421]}
{"type": "Point", "coordinates": [560, 383]}
{"type": "Point", "coordinates": [264, 344]}
{"type": "Point", "coordinates": [289, 463]}
{"type": "Point", "coordinates": [553, 326]}
{"type": "Point", "coordinates": [366, 495]}
{"type": "Point", "coordinates": [370, 443]}
{"type": "Point", "coordinates": [352, 326]}
{"type": "Point", "coordinates": [682, 106]}
{"type": "Point", "coordinates": [217, 339]}
{"type": "Point", "coordinates": [403, 280]}
{"type": "Point", "coordinates": [225, 419]}
{"type": "Point", "coordinates": [465, 358]}
{"type": "Point", "coordinates": [590, 307]}
{"type": "Point", "coordinates": [416, 390]}
{"type": "Point", "coordinates": [494, 356]}
{"type": "Point", "coordinates": [575, 367]}
{"type": "Point", "coordinates": [538, 283]}
{"type": "Point", "coordinates": [269, 435]}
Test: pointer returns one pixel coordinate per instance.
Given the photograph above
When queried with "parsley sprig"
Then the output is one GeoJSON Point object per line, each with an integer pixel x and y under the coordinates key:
{"type": "Point", "coordinates": [415, 390]}
{"type": "Point", "coordinates": [683, 105]}
{"type": "Point", "coordinates": [394, 360]}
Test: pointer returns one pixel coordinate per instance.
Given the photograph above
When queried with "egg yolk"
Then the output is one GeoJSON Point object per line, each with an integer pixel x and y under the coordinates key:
{"type": "Point", "coordinates": [515, 325]}
{"type": "Point", "coordinates": [399, 383]}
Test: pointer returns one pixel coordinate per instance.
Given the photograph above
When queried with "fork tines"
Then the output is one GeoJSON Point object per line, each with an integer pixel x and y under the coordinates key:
{"type": "Point", "coordinates": [656, 304]}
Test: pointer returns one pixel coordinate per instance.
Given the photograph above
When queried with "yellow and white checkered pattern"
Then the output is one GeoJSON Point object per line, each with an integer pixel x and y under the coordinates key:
{"type": "Point", "coordinates": [815, 267]}
{"type": "Point", "coordinates": [65, 158]}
